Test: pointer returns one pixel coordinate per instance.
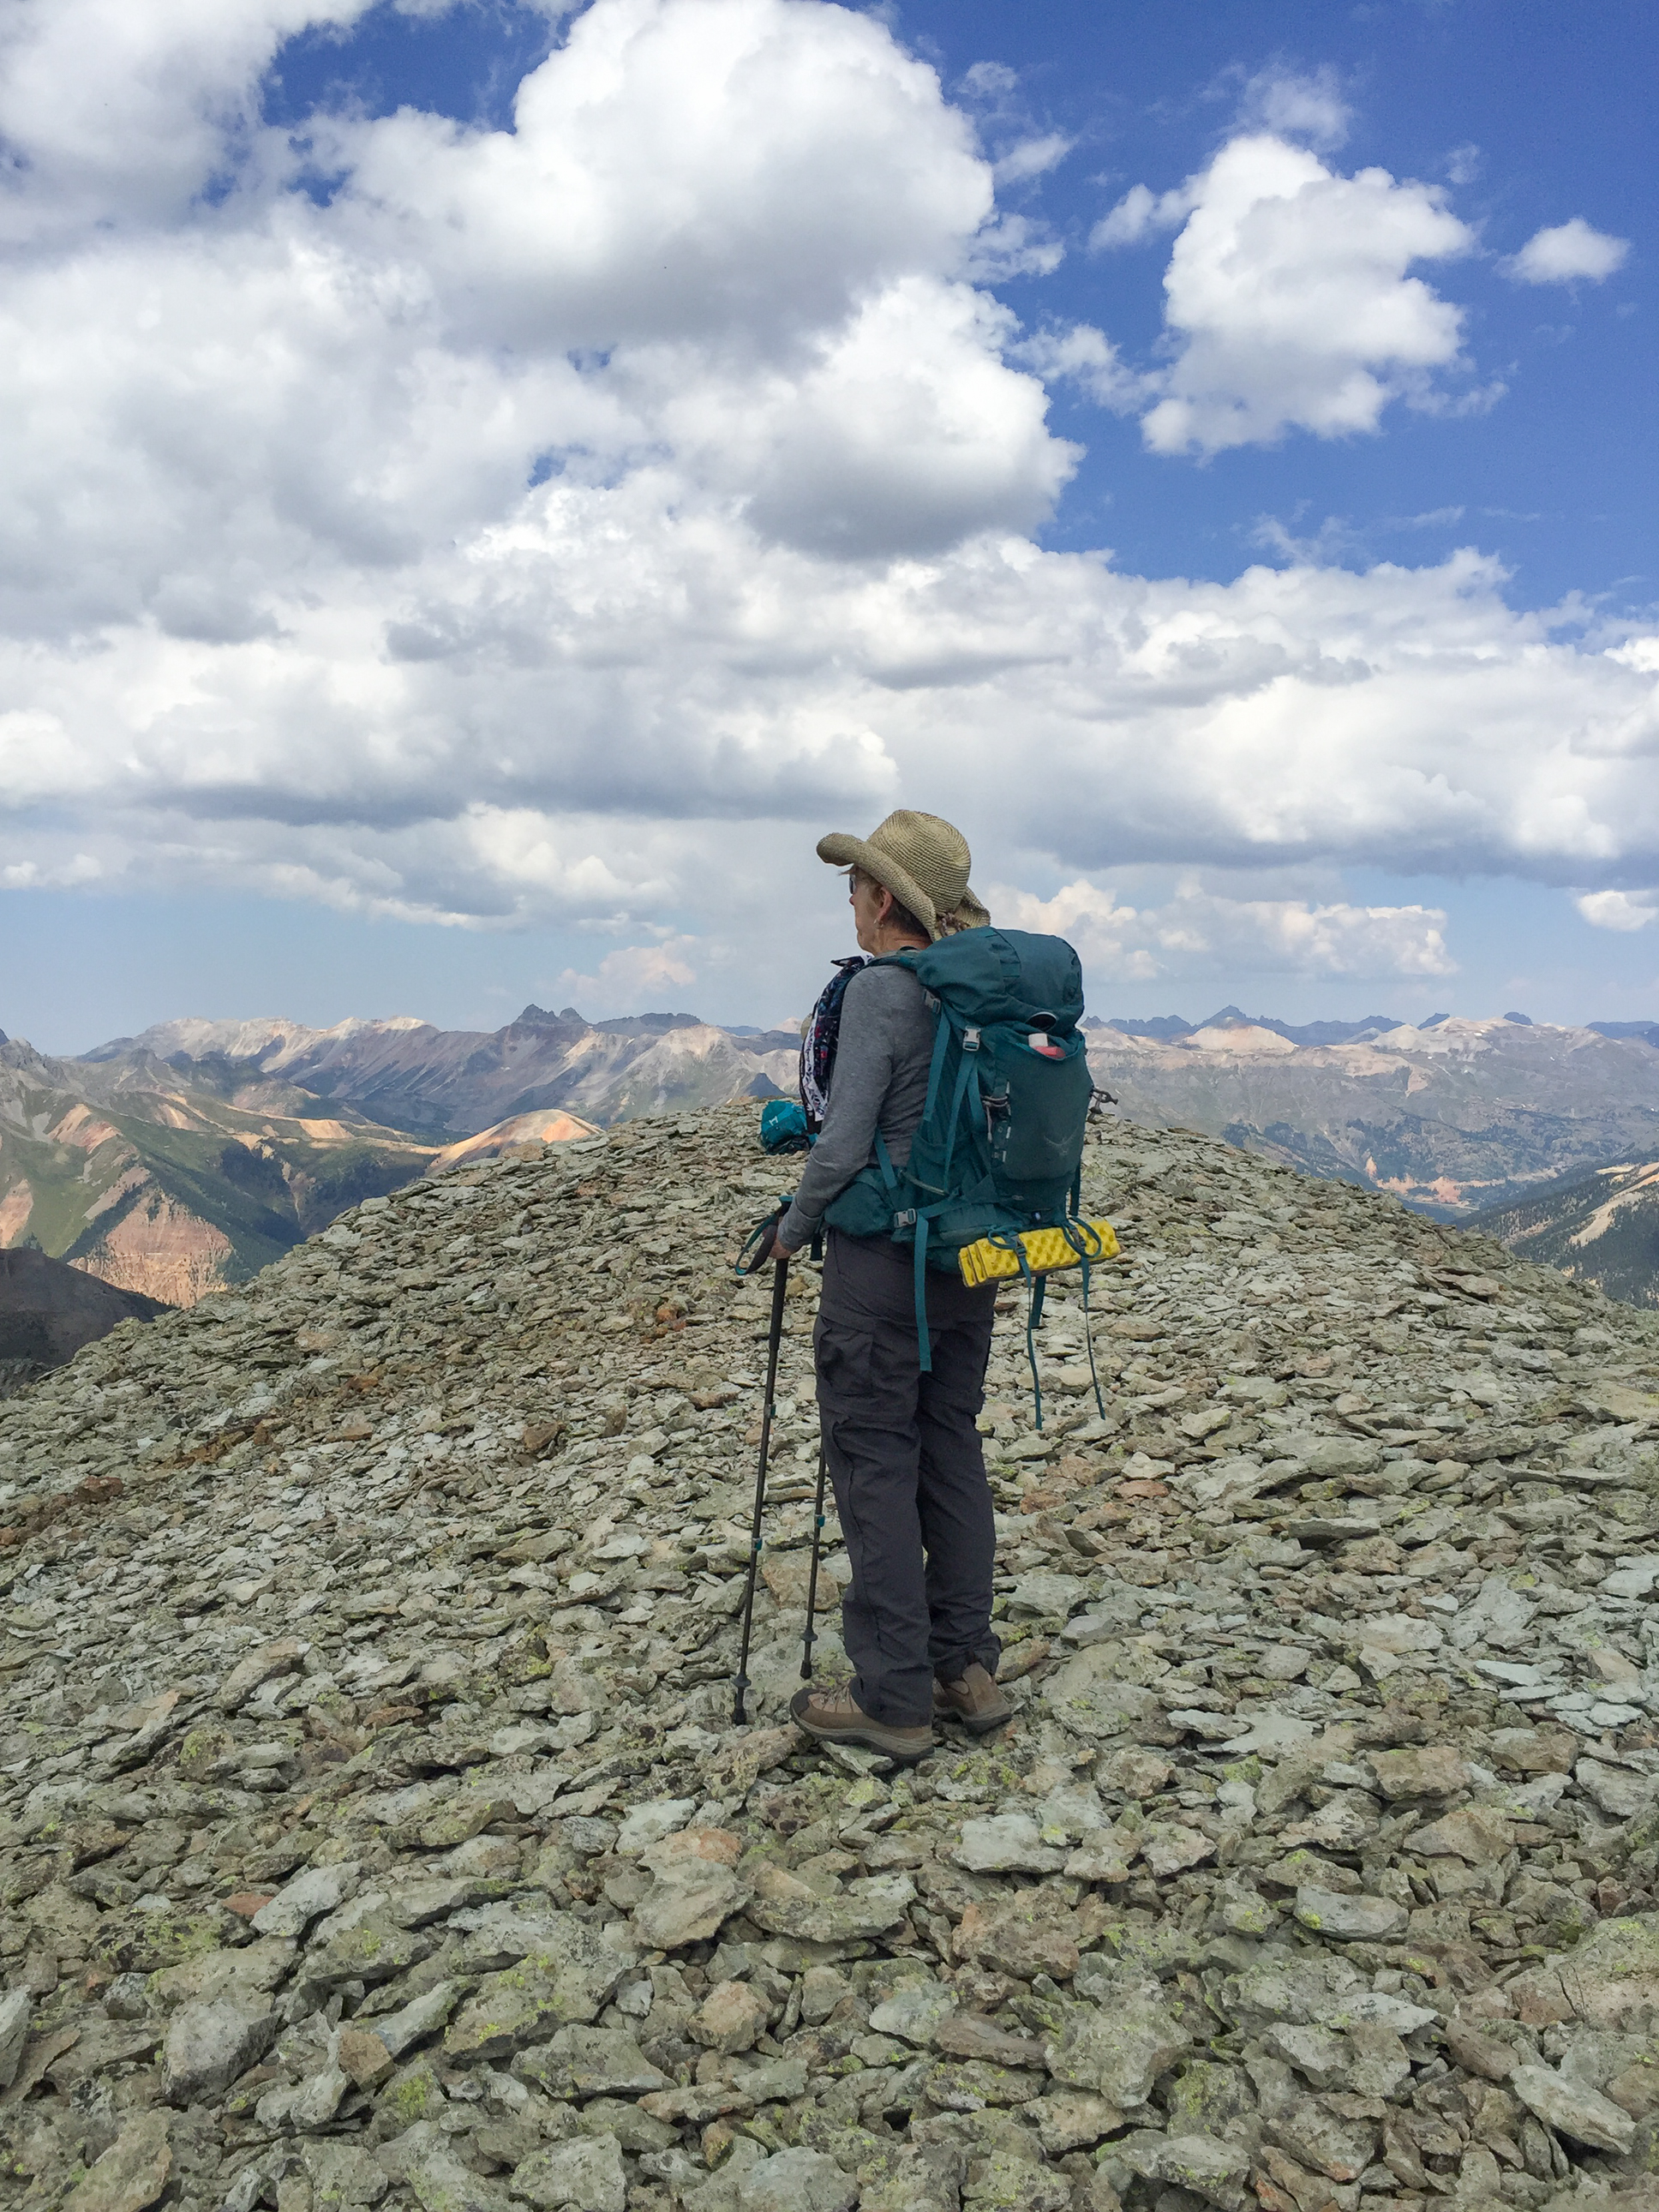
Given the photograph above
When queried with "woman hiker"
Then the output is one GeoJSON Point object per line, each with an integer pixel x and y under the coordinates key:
{"type": "Point", "coordinates": [903, 1447]}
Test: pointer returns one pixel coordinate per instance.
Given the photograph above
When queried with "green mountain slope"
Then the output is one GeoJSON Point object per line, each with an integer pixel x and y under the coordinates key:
{"type": "Point", "coordinates": [163, 1186]}
{"type": "Point", "coordinates": [1603, 1228]}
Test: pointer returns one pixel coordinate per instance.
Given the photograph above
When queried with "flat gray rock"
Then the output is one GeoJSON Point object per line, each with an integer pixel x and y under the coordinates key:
{"type": "Point", "coordinates": [912, 2012]}
{"type": "Point", "coordinates": [590, 2061]}
{"type": "Point", "coordinates": [1009, 1842]}
{"type": "Point", "coordinates": [1573, 2108]}
{"type": "Point", "coordinates": [580, 2176]}
{"type": "Point", "coordinates": [431, 1683]}
{"type": "Point", "coordinates": [15, 2013]}
{"type": "Point", "coordinates": [209, 2044]}
{"type": "Point", "coordinates": [1328, 1530]}
{"type": "Point", "coordinates": [687, 1903]}
{"type": "Point", "coordinates": [797, 2181]}
{"type": "Point", "coordinates": [1121, 2050]}
{"type": "Point", "coordinates": [1363, 1919]}
{"type": "Point", "coordinates": [307, 1897]}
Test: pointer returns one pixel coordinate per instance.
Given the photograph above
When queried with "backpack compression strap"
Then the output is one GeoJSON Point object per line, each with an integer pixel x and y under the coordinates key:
{"type": "Point", "coordinates": [920, 1217]}
{"type": "Point", "coordinates": [1088, 1246]}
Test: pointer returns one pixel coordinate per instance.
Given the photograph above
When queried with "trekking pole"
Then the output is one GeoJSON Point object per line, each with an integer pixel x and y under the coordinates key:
{"type": "Point", "coordinates": [811, 1638]}
{"type": "Point", "coordinates": [779, 1290]}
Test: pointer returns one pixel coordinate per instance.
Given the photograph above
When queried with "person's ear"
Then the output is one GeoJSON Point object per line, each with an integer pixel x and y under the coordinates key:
{"type": "Point", "coordinates": [885, 904]}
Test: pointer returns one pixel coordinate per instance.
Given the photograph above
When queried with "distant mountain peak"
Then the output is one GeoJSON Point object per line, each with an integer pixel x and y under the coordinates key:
{"type": "Point", "coordinates": [1164, 1028]}
{"type": "Point", "coordinates": [1169, 1029]}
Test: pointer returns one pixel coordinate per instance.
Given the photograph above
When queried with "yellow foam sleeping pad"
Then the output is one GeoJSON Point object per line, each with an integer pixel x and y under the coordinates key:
{"type": "Point", "coordinates": [1045, 1250]}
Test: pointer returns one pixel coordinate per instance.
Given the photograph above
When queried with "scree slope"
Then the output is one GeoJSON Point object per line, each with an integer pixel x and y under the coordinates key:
{"type": "Point", "coordinates": [373, 1830]}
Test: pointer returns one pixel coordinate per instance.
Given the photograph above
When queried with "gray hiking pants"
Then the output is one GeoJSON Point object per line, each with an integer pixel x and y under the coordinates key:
{"type": "Point", "coordinates": [909, 1472]}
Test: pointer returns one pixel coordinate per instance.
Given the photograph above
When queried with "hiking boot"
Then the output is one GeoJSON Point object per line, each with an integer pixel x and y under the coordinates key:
{"type": "Point", "coordinates": [833, 1716]}
{"type": "Point", "coordinates": [974, 1699]}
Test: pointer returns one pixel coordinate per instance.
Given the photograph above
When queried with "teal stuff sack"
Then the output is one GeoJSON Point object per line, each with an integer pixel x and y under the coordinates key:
{"type": "Point", "coordinates": [783, 1127]}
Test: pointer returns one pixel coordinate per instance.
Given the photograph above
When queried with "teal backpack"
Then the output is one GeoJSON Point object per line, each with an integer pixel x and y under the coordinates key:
{"type": "Point", "coordinates": [1000, 1146]}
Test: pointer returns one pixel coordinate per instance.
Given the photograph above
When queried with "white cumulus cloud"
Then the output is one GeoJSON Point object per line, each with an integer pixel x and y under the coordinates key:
{"type": "Point", "coordinates": [1141, 214]}
{"type": "Point", "coordinates": [567, 523]}
{"type": "Point", "coordinates": [1568, 252]}
{"type": "Point", "coordinates": [1288, 298]}
{"type": "Point", "coordinates": [1297, 105]}
{"type": "Point", "coordinates": [1199, 930]}
{"type": "Point", "coordinates": [633, 975]}
{"type": "Point", "coordinates": [1081, 355]}
{"type": "Point", "coordinates": [1619, 909]}
{"type": "Point", "coordinates": [1032, 157]}
{"type": "Point", "coordinates": [119, 111]}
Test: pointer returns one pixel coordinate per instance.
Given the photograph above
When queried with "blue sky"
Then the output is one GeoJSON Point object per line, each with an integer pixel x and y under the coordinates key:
{"type": "Point", "coordinates": [1545, 111]}
{"type": "Point", "coordinates": [439, 583]}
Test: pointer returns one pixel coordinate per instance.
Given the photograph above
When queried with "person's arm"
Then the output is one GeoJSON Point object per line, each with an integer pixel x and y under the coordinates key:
{"type": "Point", "coordinates": [879, 1003]}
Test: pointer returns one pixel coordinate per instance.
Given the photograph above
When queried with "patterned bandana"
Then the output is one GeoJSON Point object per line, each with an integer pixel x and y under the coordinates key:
{"type": "Point", "coordinates": [818, 1048]}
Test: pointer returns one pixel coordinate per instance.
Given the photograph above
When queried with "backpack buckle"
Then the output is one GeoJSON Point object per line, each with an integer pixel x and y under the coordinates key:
{"type": "Point", "coordinates": [970, 1040]}
{"type": "Point", "coordinates": [905, 1220]}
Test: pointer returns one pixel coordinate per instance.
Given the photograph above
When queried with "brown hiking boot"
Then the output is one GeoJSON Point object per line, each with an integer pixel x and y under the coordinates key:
{"type": "Point", "coordinates": [835, 1717]}
{"type": "Point", "coordinates": [974, 1700]}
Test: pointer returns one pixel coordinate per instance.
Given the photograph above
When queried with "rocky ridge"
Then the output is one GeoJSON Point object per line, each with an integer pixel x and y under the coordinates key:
{"type": "Point", "coordinates": [48, 1311]}
{"type": "Point", "coordinates": [373, 1831]}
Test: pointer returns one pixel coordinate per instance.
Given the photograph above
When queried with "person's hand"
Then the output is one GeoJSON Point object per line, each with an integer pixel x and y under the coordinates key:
{"type": "Point", "coordinates": [770, 1249]}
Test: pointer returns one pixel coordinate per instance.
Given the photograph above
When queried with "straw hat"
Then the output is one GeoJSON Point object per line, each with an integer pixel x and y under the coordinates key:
{"type": "Point", "coordinates": [922, 860]}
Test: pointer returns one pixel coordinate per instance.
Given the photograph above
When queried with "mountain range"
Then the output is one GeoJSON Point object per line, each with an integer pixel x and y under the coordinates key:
{"type": "Point", "coordinates": [1454, 1117]}
{"type": "Point", "coordinates": [173, 1183]}
{"type": "Point", "coordinates": [191, 1155]}
{"type": "Point", "coordinates": [407, 1074]}
{"type": "Point", "coordinates": [1169, 1028]}
{"type": "Point", "coordinates": [175, 1163]}
{"type": "Point", "coordinates": [48, 1311]}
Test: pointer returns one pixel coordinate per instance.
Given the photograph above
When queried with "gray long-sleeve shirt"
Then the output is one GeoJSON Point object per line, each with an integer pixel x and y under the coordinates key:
{"type": "Point", "coordinates": [879, 1082]}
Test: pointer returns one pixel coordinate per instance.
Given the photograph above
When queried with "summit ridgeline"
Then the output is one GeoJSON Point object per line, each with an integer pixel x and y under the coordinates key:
{"type": "Point", "coordinates": [373, 1830]}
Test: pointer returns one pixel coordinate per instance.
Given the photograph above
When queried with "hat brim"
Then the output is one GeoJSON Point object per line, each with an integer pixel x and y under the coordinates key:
{"type": "Point", "coordinates": [842, 851]}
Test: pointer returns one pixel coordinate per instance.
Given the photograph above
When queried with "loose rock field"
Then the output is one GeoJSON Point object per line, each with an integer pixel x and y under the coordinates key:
{"type": "Point", "coordinates": [374, 1832]}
